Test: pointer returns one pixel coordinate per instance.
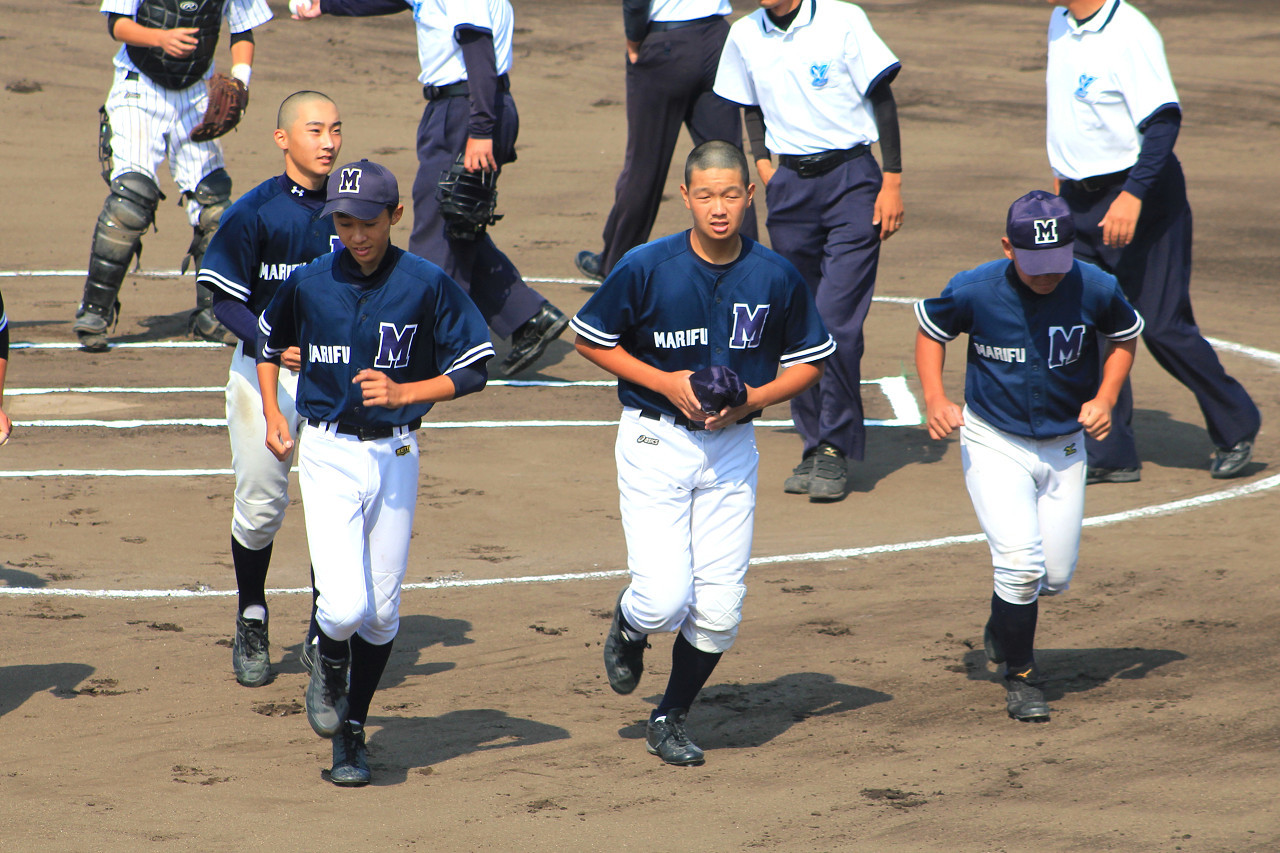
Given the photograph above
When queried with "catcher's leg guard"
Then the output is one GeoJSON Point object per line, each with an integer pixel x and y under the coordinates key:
{"type": "Point", "coordinates": [213, 194]}
{"type": "Point", "coordinates": [127, 213]}
{"type": "Point", "coordinates": [203, 323]}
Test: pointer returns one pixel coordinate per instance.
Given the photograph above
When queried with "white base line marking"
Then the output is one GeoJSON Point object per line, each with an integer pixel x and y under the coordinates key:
{"type": "Point", "coordinates": [812, 557]}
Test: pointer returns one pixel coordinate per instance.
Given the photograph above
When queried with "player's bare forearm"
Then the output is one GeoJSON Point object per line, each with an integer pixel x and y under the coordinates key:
{"type": "Point", "coordinates": [941, 415]}
{"type": "Point", "coordinates": [789, 383]}
{"type": "Point", "coordinates": [622, 364]}
{"type": "Point", "coordinates": [178, 43]}
{"type": "Point", "coordinates": [242, 53]}
{"type": "Point", "coordinates": [6, 425]}
{"type": "Point", "coordinates": [1095, 414]}
{"type": "Point", "coordinates": [889, 211]}
{"type": "Point", "coordinates": [377, 389]}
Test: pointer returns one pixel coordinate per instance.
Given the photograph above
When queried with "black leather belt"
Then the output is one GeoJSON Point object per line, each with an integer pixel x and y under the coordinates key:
{"type": "Point", "coordinates": [812, 165]}
{"type": "Point", "coordinates": [681, 420]}
{"type": "Point", "coordinates": [457, 90]}
{"type": "Point", "coordinates": [1098, 183]}
{"type": "Point", "coordinates": [666, 26]}
{"type": "Point", "coordinates": [366, 433]}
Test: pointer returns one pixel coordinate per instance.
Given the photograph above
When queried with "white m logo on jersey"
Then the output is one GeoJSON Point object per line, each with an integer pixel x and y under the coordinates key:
{"type": "Point", "coordinates": [1065, 345]}
{"type": "Point", "coordinates": [1046, 231]}
{"type": "Point", "coordinates": [394, 344]}
{"type": "Point", "coordinates": [748, 325]}
{"type": "Point", "coordinates": [350, 182]}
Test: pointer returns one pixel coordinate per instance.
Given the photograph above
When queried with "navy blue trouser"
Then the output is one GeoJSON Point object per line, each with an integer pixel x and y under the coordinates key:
{"type": "Point", "coordinates": [1155, 274]}
{"type": "Point", "coordinates": [485, 273]}
{"type": "Point", "coordinates": [669, 85]}
{"type": "Point", "coordinates": [823, 226]}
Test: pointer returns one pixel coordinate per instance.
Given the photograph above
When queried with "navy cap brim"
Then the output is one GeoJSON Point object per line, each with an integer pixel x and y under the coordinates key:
{"type": "Point", "coordinates": [355, 207]}
{"type": "Point", "coordinates": [1055, 261]}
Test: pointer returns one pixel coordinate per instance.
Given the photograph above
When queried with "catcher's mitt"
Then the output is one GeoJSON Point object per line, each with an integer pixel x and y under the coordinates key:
{"type": "Point", "coordinates": [227, 99]}
{"type": "Point", "coordinates": [467, 201]}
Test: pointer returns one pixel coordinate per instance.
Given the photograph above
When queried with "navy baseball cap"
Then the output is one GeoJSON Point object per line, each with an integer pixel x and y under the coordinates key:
{"type": "Point", "coordinates": [362, 189]}
{"type": "Point", "coordinates": [1042, 232]}
{"type": "Point", "coordinates": [717, 387]}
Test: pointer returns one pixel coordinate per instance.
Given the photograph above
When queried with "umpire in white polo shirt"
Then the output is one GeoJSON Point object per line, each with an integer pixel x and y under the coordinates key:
{"type": "Point", "coordinates": [815, 79]}
{"type": "Point", "coordinates": [1113, 118]}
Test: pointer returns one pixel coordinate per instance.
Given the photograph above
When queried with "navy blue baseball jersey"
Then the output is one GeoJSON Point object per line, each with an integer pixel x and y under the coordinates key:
{"type": "Point", "coordinates": [267, 234]}
{"type": "Point", "coordinates": [411, 322]}
{"type": "Point", "coordinates": [1033, 359]}
{"type": "Point", "coordinates": [671, 309]}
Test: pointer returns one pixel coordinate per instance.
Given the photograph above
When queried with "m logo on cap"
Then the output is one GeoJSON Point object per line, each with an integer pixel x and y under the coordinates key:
{"type": "Point", "coordinates": [1046, 231]}
{"type": "Point", "coordinates": [350, 182]}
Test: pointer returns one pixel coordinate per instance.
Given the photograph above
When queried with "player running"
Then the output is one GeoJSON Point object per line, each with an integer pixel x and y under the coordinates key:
{"type": "Point", "coordinates": [158, 96]}
{"type": "Point", "coordinates": [270, 231]}
{"type": "Point", "coordinates": [383, 335]}
{"type": "Point", "coordinates": [1032, 395]}
{"type": "Point", "coordinates": [703, 298]}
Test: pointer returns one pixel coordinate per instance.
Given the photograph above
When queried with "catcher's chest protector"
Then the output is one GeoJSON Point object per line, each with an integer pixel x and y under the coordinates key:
{"type": "Point", "coordinates": [168, 71]}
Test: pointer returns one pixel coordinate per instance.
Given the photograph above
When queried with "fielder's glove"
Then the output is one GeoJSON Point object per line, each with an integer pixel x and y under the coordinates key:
{"type": "Point", "coordinates": [467, 201]}
{"type": "Point", "coordinates": [227, 99]}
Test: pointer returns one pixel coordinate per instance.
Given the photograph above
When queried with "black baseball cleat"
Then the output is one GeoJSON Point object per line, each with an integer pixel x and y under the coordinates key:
{"type": "Point", "coordinates": [92, 328]}
{"type": "Point", "coordinates": [531, 340]}
{"type": "Point", "coordinates": [350, 757]}
{"type": "Point", "coordinates": [1025, 701]}
{"type": "Point", "coordinates": [327, 695]}
{"type": "Point", "coordinates": [1093, 475]}
{"type": "Point", "coordinates": [991, 645]}
{"type": "Point", "coordinates": [801, 477]}
{"type": "Point", "coordinates": [1229, 462]}
{"type": "Point", "coordinates": [830, 475]}
{"type": "Point", "coordinates": [623, 658]}
{"type": "Point", "coordinates": [588, 263]}
{"type": "Point", "coordinates": [666, 738]}
{"type": "Point", "coordinates": [251, 652]}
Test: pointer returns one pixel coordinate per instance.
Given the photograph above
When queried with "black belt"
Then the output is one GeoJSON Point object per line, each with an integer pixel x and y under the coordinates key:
{"type": "Point", "coordinates": [366, 433]}
{"type": "Point", "coordinates": [812, 165]}
{"type": "Point", "coordinates": [457, 90]}
{"type": "Point", "coordinates": [666, 26]}
{"type": "Point", "coordinates": [1098, 183]}
{"type": "Point", "coordinates": [681, 420]}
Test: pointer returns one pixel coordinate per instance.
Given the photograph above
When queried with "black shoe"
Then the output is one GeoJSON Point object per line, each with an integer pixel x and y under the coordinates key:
{"type": "Point", "coordinates": [531, 340]}
{"type": "Point", "coordinates": [801, 477]}
{"type": "Point", "coordinates": [588, 263]}
{"type": "Point", "coordinates": [1025, 702]}
{"type": "Point", "coordinates": [327, 695]}
{"type": "Point", "coordinates": [991, 645]}
{"type": "Point", "coordinates": [1093, 475]}
{"type": "Point", "coordinates": [1229, 462]}
{"type": "Point", "coordinates": [830, 475]}
{"type": "Point", "coordinates": [623, 658]}
{"type": "Point", "coordinates": [307, 654]}
{"type": "Point", "coordinates": [251, 652]}
{"type": "Point", "coordinates": [350, 757]}
{"type": "Point", "coordinates": [666, 738]}
{"type": "Point", "coordinates": [92, 328]}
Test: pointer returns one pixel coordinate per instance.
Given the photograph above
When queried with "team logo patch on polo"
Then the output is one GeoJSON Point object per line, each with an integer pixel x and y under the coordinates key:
{"type": "Point", "coordinates": [1065, 344]}
{"type": "Point", "coordinates": [350, 181]}
{"type": "Point", "coordinates": [1082, 89]}
{"type": "Point", "coordinates": [818, 75]}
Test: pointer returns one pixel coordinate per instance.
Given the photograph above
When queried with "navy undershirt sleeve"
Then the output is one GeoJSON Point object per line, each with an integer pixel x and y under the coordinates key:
{"type": "Point", "coordinates": [362, 8]}
{"type": "Point", "coordinates": [635, 19]}
{"type": "Point", "coordinates": [482, 79]}
{"type": "Point", "coordinates": [886, 113]}
{"type": "Point", "coordinates": [753, 118]}
{"type": "Point", "coordinates": [1159, 133]}
{"type": "Point", "coordinates": [469, 379]}
{"type": "Point", "coordinates": [236, 316]}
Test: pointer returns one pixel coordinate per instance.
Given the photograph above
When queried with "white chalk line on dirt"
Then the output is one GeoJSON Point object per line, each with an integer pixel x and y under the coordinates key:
{"type": "Point", "coordinates": [1169, 508]}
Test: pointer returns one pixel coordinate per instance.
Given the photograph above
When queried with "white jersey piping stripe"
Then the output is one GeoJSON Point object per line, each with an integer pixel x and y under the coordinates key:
{"type": "Point", "coordinates": [471, 357]}
{"type": "Point", "coordinates": [1129, 333]}
{"type": "Point", "coordinates": [231, 288]}
{"type": "Point", "coordinates": [594, 335]}
{"type": "Point", "coordinates": [812, 354]}
{"type": "Point", "coordinates": [928, 327]}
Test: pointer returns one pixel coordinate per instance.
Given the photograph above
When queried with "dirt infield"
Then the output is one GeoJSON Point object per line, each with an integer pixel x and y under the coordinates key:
{"type": "Point", "coordinates": [856, 713]}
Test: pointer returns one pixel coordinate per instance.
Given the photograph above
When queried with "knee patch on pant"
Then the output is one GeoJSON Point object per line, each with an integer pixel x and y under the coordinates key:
{"type": "Point", "coordinates": [717, 613]}
{"type": "Point", "coordinates": [126, 215]}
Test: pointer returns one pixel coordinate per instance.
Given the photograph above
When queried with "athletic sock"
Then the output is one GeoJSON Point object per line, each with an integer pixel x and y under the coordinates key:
{"type": "Point", "coordinates": [690, 669]}
{"type": "Point", "coordinates": [331, 648]}
{"type": "Point", "coordinates": [367, 663]}
{"type": "Point", "coordinates": [1015, 627]}
{"type": "Point", "coordinates": [251, 573]}
{"type": "Point", "coordinates": [313, 629]}
{"type": "Point", "coordinates": [627, 631]}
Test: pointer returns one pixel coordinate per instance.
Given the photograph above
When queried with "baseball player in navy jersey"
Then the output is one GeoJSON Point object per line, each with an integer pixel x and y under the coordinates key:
{"type": "Point", "coordinates": [6, 425]}
{"type": "Point", "coordinates": [815, 79]}
{"type": "Point", "coordinates": [383, 336]}
{"type": "Point", "coordinates": [673, 48]}
{"type": "Point", "coordinates": [1032, 395]}
{"type": "Point", "coordinates": [1113, 119]}
{"type": "Point", "coordinates": [270, 231]}
{"type": "Point", "coordinates": [703, 298]}
{"type": "Point", "coordinates": [464, 48]}
{"type": "Point", "coordinates": [159, 95]}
